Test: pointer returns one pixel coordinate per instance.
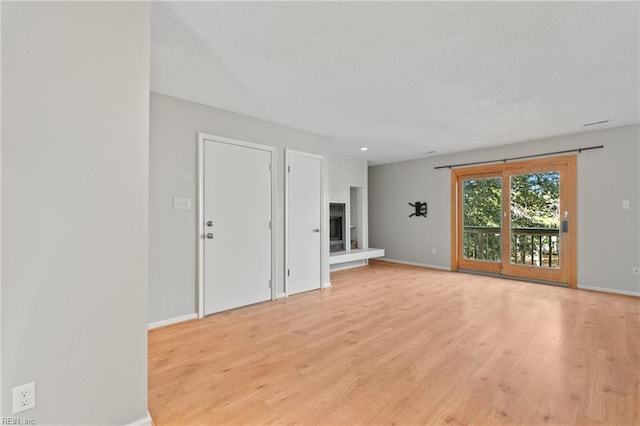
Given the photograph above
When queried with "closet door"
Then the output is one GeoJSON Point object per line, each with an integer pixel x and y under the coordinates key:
{"type": "Point", "coordinates": [304, 222]}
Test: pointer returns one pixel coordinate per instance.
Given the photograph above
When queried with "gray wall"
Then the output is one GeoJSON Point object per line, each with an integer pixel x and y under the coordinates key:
{"type": "Point", "coordinates": [607, 235]}
{"type": "Point", "coordinates": [75, 104]}
{"type": "Point", "coordinates": [174, 125]}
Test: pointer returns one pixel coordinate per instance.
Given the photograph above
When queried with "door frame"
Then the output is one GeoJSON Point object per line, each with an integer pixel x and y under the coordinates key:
{"type": "Point", "coordinates": [502, 169]}
{"type": "Point", "coordinates": [287, 156]}
{"type": "Point", "coordinates": [200, 227]}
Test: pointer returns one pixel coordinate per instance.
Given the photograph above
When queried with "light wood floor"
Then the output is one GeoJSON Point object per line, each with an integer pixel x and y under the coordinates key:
{"type": "Point", "coordinates": [392, 344]}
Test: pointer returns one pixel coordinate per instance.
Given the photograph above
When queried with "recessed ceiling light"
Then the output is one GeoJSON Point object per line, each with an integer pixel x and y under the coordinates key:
{"type": "Point", "coordinates": [363, 148]}
{"type": "Point", "coordinates": [595, 123]}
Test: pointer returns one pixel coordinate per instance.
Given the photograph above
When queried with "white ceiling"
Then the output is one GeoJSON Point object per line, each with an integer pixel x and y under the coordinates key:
{"type": "Point", "coordinates": [405, 78]}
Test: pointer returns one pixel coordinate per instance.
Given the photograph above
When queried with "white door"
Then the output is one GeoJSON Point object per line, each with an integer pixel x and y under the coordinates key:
{"type": "Point", "coordinates": [237, 235]}
{"type": "Point", "coordinates": [304, 220]}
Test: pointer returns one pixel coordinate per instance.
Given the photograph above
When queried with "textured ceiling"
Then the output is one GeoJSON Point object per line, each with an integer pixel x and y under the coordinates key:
{"type": "Point", "coordinates": [405, 78]}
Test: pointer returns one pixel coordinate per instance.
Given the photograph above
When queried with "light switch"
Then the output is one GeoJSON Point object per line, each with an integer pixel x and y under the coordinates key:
{"type": "Point", "coordinates": [626, 204]}
{"type": "Point", "coordinates": [181, 203]}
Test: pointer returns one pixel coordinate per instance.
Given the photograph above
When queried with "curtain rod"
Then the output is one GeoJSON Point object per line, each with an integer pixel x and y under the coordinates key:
{"type": "Point", "coordinates": [504, 160]}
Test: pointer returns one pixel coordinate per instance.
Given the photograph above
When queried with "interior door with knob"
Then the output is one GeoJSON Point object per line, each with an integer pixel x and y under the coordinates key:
{"type": "Point", "coordinates": [236, 213]}
{"type": "Point", "coordinates": [304, 220]}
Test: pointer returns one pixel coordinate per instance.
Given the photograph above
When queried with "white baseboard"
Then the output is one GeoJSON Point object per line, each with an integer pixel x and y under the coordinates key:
{"type": "Point", "coordinates": [609, 290]}
{"type": "Point", "coordinates": [145, 421]}
{"type": "Point", "coordinates": [281, 295]}
{"type": "Point", "coordinates": [327, 285]}
{"type": "Point", "coordinates": [423, 265]}
{"type": "Point", "coordinates": [170, 321]}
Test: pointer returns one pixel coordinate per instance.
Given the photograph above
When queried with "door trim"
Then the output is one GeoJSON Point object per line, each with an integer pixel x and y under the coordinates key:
{"type": "Point", "coordinates": [202, 137]}
{"type": "Point", "coordinates": [568, 161]}
{"type": "Point", "coordinates": [287, 154]}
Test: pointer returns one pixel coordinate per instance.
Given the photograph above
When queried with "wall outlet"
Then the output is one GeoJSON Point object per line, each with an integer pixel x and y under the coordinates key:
{"type": "Point", "coordinates": [434, 251]}
{"type": "Point", "coordinates": [636, 270]}
{"type": "Point", "coordinates": [24, 397]}
{"type": "Point", "coordinates": [181, 203]}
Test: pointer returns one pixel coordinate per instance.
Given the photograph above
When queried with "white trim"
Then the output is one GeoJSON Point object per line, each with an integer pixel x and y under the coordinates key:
{"type": "Point", "coordinates": [423, 265]}
{"type": "Point", "coordinates": [347, 225]}
{"type": "Point", "coordinates": [280, 295]}
{"type": "Point", "coordinates": [1, 316]}
{"type": "Point", "coordinates": [350, 266]}
{"type": "Point", "coordinates": [365, 208]}
{"type": "Point", "coordinates": [344, 268]}
{"type": "Point", "coordinates": [200, 237]}
{"type": "Point", "coordinates": [287, 153]}
{"type": "Point", "coordinates": [175, 320]}
{"type": "Point", "coordinates": [609, 290]}
{"type": "Point", "coordinates": [202, 137]}
{"type": "Point", "coordinates": [328, 285]}
{"type": "Point", "coordinates": [145, 421]}
{"type": "Point", "coordinates": [356, 254]}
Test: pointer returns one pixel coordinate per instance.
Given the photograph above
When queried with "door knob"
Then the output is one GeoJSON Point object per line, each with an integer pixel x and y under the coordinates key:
{"type": "Point", "coordinates": [210, 235]}
{"type": "Point", "coordinates": [316, 230]}
{"type": "Point", "coordinates": [209, 223]}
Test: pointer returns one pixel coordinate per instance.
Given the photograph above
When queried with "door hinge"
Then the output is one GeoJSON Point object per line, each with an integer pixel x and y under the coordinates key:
{"type": "Point", "coordinates": [289, 169]}
{"type": "Point", "coordinates": [288, 272]}
{"type": "Point", "coordinates": [269, 224]}
{"type": "Point", "coordinates": [269, 166]}
{"type": "Point", "coordinates": [270, 285]}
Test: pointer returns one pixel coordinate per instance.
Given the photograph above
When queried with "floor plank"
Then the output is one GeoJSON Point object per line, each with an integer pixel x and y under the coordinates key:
{"type": "Point", "coordinates": [396, 344]}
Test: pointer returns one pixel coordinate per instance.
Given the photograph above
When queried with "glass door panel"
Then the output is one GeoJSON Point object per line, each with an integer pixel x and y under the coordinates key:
{"type": "Point", "coordinates": [482, 207]}
{"type": "Point", "coordinates": [481, 231]}
{"type": "Point", "coordinates": [535, 219]}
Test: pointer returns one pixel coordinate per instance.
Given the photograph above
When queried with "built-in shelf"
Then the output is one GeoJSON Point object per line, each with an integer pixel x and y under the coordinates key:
{"type": "Point", "coordinates": [355, 254]}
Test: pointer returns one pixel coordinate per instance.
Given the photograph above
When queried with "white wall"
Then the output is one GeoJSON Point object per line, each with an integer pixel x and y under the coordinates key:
{"type": "Point", "coordinates": [174, 127]}
{"type": "Point", "coordinates": [344, 173]}
{"type": "Point", "coordinates": [75, 101]}
{"type": "Point", "coordinates": [607, 235]}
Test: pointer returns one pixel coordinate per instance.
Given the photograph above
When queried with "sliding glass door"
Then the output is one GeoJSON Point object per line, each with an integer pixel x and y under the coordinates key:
{"type": "Point", "coordinates": [516, 219]}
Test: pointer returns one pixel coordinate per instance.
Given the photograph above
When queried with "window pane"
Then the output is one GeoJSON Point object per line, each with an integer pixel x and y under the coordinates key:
{"type": "Point", "coordinates": [535, 219]}
{"type": "Point", "coordinates": [482, 218]}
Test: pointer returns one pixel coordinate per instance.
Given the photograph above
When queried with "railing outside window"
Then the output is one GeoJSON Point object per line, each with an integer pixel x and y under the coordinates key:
{"type": "Point", "coordinates": [529, 246]}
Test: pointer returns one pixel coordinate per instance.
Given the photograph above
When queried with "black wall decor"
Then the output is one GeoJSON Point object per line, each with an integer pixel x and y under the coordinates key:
{"type": "Point", "coordinates": [421, 209]}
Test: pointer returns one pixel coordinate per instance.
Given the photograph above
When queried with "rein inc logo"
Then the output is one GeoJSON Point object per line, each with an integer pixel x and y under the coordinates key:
{"type": "Point", "coordinates": [17, 421]}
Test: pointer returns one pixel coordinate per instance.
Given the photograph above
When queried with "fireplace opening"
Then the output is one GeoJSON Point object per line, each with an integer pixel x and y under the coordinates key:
{"type": "Point", "coordinates": [336, 227]}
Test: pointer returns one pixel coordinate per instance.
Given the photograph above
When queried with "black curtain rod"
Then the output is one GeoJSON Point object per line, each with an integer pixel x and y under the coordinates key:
{"type": "Point", "coordinates": [504, 160]}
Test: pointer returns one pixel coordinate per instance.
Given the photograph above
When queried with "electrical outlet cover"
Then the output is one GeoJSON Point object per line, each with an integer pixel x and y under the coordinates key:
{"type": "Point", "coordinates": [636, 270]}
{"type": "Point", "coordinates": [24, 397]}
